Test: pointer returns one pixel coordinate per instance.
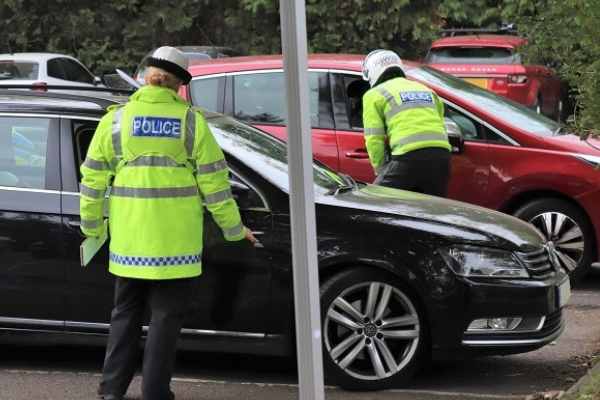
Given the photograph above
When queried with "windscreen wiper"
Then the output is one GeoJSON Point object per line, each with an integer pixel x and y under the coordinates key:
{"type": "Point", "coordinates": [339, 189]}
{"type": "Point", "coordinates": [347, 185]}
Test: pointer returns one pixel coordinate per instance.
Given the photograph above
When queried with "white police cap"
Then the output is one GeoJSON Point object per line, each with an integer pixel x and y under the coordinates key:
{"type": "Point", "coordinates": [171, 60]}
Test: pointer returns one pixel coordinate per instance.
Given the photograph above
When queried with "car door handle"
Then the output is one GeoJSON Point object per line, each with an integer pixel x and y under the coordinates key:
{"type": "Point", "coordinates": [75, 224]}
{"type": "Point", "coordinates": [357, 154]}
{"type": "Point", "coordinates": [258, 245]}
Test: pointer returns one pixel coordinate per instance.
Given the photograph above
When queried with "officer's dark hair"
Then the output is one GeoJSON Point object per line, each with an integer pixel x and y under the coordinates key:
{"type": "Point", "coordinates": [390, 73]}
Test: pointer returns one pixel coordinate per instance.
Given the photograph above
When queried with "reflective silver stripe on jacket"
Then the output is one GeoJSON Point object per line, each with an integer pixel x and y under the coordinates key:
{"type": "Point", "coordinates": [374, 131]}
{"type": "Point", "coordinates": [96, 165]}
{"type": "Point", "coordinates": [153, 161]}
{"type": "Point", "coordinates": [398, 108]}
{"type": "Point", "coordinates": [190, 122]}
{"type": "Point", "coordinates": [91, 192]}
{"type": "Point", "coordinates": [154, 193]}
{"type": "Point", "coordinates": [93, 224]}
{"type": "Point", "coordinates": [116, 132]}
{"type": "Point", "coordinates": [218, 197]}
{"type": "Point", "coordinates": [419, 138]}
{"type": "Point", "coordinates": [114, 162]}
{"type": "Point", "coordinates": [236, 230]}
{"type": "Point", "coordinates": [212, 167]}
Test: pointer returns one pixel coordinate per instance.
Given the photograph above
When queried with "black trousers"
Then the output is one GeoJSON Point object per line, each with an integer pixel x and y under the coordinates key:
{"type": "Point", "coordinates": [424, 171]}
{"type": "Point", "coordinates": [169, 302]}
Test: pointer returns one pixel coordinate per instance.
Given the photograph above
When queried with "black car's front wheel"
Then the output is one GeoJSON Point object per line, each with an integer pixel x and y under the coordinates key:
{"type": "Point", "coordinates": [374, 333]}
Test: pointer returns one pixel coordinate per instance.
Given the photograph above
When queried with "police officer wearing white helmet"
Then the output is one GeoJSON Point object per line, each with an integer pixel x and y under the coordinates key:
{"type": "Point", "coordinates": [161, 160]}
{"type": "Point", "coordinates": [404, 128]}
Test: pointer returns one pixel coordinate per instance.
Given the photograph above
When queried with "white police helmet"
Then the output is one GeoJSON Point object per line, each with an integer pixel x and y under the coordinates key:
{"type": "Point", "coordinates": [377, 62]}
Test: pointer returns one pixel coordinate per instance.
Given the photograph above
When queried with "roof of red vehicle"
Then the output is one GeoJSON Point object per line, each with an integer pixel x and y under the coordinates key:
{"type": "Point", "coordinates": [350, 62]}
{"type": "Point", "coordinates": [480, 40]}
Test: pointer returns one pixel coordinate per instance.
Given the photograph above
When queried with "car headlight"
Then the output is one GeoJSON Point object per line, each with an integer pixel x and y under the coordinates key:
{"type": "Point", "coordinates": [483, 262]}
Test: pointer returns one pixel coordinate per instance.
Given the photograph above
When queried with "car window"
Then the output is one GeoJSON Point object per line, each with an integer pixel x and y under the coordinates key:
{"type": "Point", "coordinates": [18, 70]}
{"type": "Point", "coordinates": [76, 72]}
{"type": "Point", "coordinates": [471, 129]}
{"type": "Point", "coordinates": [55, 69]}
{"type": "Point", "coordinates": [205, 93]}
{"type": "Point", "coordinates": [493, 104]}
{"type": "Point", "coordinates": [83, 137]}
{"type": "Point", "coordinates": [260, 98]}
{"type": "Point", "coordinates": [23, 144]}
{"type": "Point", "coordinates": [356, 87]}
{"type": "Point", "coordinates": [230, 53]}
{"type": "Point", "coordinates": [197, 56]}
{"type": "Point", "coordinates": [268, 156]}
{"type": "Point", "coordinates": [473, 55]}
{"type": "Point", "coordinates": [250, 199]}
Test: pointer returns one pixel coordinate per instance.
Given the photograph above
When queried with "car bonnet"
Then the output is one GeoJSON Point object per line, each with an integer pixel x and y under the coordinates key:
{"type": "Point", "coordinates": [472, 223]}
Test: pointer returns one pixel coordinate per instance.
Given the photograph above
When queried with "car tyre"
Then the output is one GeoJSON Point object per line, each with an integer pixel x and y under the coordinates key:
{"type": "Point", "coordinates": [375, 334]}
{"type": "Point", "coordinates": [568, 228]}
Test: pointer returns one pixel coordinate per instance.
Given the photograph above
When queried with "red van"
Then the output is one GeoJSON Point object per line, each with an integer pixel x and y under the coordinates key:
{"type": "Point", "coordinates": [510, 158]}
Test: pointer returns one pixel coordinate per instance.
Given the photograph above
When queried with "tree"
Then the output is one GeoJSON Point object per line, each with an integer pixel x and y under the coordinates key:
{"type": "Point", "coordinates": [345, 26]}
{"type": "Point", "coordinates": [573, 42]}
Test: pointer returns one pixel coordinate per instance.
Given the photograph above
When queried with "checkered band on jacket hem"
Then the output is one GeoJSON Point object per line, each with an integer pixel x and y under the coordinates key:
{"type": "Point", "coordinates": [155, 261]}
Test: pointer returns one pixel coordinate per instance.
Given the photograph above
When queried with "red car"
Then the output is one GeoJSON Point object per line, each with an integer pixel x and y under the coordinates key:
{"type": "Point", "coordinates": [510, 158]}
{"type": "Point", "coordinates": [494, 62]}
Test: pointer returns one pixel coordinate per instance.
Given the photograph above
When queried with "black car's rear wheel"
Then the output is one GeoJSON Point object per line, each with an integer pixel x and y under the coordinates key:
{"type": "Point", "coordinates": [567, 228]}
{"type": "Point", "coordinates": [375, 335]}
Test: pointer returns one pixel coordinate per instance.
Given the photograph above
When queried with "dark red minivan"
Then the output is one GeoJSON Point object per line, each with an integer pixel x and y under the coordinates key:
{"type": "Point", "coordinates": [510, 158]}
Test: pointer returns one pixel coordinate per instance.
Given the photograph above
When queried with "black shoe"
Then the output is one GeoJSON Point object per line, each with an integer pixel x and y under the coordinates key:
{"type": "Point", "coordinates": [170, 396]}
{"type": "Point", "coordinates": [110, 397]}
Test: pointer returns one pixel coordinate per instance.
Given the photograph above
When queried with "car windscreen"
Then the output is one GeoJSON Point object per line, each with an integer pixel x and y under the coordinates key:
{"type": "Point", "coordinates": [489, 102]}
{"type": "Point", "coordinates": [265, 154]}
{"type": "Point", "coordinates": [472, 55]}
{"type": "Point", "coordinates": [18, 70]}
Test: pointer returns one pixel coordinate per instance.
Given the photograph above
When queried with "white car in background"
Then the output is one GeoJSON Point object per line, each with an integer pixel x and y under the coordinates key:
{"type": "Point", "coordinates": [45, 69]}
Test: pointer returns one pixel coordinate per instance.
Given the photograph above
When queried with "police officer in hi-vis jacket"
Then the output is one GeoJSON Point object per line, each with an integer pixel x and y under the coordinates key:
{"type": "Point", "coordinates": [161, 161]}
{"type": "Point", "coordinates": [404, 128]}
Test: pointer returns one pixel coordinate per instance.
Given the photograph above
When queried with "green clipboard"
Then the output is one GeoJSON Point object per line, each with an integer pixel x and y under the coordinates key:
{"type": "Point", "coordinates": [91, 245]}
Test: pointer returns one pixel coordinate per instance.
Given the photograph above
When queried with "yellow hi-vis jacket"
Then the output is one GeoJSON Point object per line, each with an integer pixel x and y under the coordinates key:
{"type": "Point", "coordinates": [409, 113]}
{"type": "Point", "coordinates": [164, 159]}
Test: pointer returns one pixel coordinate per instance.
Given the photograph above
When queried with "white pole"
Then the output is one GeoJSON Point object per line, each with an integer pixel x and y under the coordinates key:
{"type": "Point", "coordinates": [302, 206]}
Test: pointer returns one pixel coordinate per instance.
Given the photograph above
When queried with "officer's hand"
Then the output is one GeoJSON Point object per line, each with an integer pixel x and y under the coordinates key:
{"type": "Point", "coordinates": [250, 236]}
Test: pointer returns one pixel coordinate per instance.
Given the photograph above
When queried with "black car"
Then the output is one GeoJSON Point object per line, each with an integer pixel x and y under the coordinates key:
{"type": "Point", "coordinates": [403, 276]}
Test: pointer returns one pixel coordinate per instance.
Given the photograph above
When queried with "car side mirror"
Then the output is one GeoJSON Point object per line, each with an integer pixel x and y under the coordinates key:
{"type": "Point", "coordinates": [455, 135]}
{"type": "Point", "coordinates": [97, 81]}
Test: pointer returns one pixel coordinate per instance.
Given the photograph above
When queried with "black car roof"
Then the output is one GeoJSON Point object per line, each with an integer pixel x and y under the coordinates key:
{"type": "Point", "coordinates": [53, 102]}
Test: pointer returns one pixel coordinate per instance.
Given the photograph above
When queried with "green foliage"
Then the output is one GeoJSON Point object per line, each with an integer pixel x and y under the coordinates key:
{"type": "Point", "coordinates": [120, 32]}
{"type": "Point", "coordinates": [573, 43]}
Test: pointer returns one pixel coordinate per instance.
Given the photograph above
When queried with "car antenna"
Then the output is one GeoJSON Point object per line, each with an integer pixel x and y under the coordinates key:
{"type": "Point", "coordinates": [209, 42]}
